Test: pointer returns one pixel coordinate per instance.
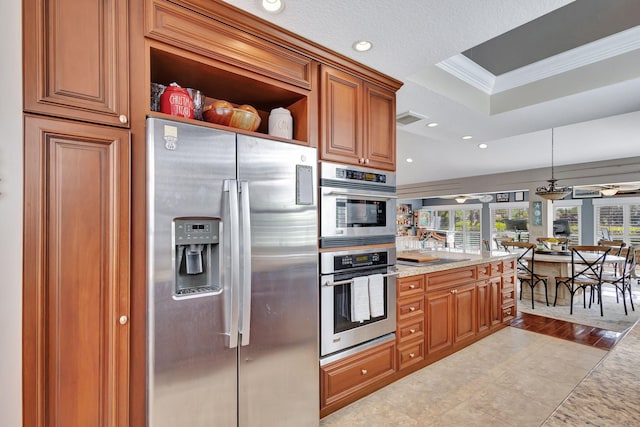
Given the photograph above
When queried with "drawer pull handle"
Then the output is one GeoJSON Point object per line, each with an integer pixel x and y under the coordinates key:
{"type": "Point", "coordinates": [364, 372]}
{"type": "Point", "coordinates": [412, 308]}
{"type": "Point", "coordinates": [412, 331]}
{"type": "Point", "coordinates": [412, 286]}
{"type": "Point", "coordinates": [412, 355]}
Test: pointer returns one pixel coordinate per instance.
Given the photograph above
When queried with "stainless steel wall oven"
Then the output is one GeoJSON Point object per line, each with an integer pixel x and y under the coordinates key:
{"type": "Point", "coordinates": [357, 206]}
{"type": "Point", "coordinates": [338, 270]}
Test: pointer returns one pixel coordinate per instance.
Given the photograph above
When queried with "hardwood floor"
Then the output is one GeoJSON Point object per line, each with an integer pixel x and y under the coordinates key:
{"type": "Point", "coordinates": [587, 335]}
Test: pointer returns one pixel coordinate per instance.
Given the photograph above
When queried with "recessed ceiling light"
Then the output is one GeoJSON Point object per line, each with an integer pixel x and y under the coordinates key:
{"type": "Point", "coordinates": [362, 45]}
{"type": "Point", "coordinates": [272, 6]}
{"type": "Point", "coordinates": [467, 137]}
{"type": "Point", "coordinates": [409, 160]}
{"type": "Point", "coordinates": [432, 124]}
{"type": "Point", "coordinates": [483, 146]}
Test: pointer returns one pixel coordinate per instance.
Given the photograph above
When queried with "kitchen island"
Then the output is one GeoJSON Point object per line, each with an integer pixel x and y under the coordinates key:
{"type": "Point", "coordinates": [446, 259]}
{"type": "Point", "coordinates": [451, 301]}
{"type": "Point", "coordinates": [442, 305]}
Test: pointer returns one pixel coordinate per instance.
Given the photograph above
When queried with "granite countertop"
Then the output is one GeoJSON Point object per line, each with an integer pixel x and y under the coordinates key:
{"type": "Point", "coordinates": [455, 258]}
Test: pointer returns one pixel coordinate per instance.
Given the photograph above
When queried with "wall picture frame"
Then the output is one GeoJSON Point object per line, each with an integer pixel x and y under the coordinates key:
{"type": "Point", "coordinates": [537, 212]}
{"type": "Point", "coordinates": [584, 193]}
{"type": "Point", "coordinates": [502, 197]}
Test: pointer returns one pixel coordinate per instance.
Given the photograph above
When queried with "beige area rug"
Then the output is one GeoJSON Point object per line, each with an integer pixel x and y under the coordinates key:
{"type": "Point", "coordinates": [614, 318]}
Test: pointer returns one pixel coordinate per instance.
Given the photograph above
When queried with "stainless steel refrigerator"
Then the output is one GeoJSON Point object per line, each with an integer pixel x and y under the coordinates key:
{"type": "Point", "coordinates": [232, 279]}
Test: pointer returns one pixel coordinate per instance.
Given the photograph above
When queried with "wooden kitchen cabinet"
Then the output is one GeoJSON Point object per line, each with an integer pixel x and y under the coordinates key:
{"type": "Point", "coordinates": [439, 321]}
{"type": "Point", "coordinates": [410, 330]}
{"type": "Point", "coordinates": [225, 63]}
{"type": "Point", "coordinates": [76, 274]}
{"type": "Point", "coordinates": [451, 317]}
{"type": "Point", "coordinates": [76, 59]}
{"type": "Point", "coordinates": [508, 296]}
{"type": "Point", "coordinates": [357, 121]}
{"type": "Point", "coordinates": [489, 303]}
{"type": "Point", "coordinates": [348, 379]}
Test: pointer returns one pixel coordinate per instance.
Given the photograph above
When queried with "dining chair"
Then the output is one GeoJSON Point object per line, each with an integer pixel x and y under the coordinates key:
{"type": "Point", "coordinates": [500, 240]}
{"type": "Point", "coordinates": [526, 265]}
{"type": "Point", "coordinates": [560, 240]}
{"type": "Point", "coordinates": [586, 273]}
{"type": "Point", "coordinates": [621, 278]}
{"type": "Point", "coordinates": [616, 249]}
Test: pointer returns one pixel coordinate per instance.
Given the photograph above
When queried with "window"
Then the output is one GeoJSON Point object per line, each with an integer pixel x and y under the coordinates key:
{"type": "Point", "coordinates": [570, 210]}
{"type": "Point", "coordinates": [462, 225]}
{"type": "Point", "coordinates": [618, 219]}
{"type": "Point", "coordinates": [509, 220]}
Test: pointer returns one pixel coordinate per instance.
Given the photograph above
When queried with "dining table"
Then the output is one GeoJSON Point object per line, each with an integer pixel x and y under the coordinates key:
{"type": "Point", "coordinates": [557, 263]}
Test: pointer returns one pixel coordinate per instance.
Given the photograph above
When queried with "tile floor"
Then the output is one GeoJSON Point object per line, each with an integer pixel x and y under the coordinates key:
{"type": "Point", "coordinates": [514, 377]}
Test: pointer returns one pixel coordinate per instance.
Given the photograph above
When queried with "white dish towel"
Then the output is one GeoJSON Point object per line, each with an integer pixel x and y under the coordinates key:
{"type": "Point", "coordinates": [360, 299]}
{"type": "Point", "coordinates": [376, 295]}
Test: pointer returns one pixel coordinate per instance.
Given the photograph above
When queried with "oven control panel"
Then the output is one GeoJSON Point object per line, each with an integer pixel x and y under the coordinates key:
{"type": "Point", "coordinates": [345, 262]}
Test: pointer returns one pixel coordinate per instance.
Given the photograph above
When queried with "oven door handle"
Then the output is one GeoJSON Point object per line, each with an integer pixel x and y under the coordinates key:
{"type": "Point", "coordinates": [348, 281]}
{"type": "Point", "coordinates": [373, 196]}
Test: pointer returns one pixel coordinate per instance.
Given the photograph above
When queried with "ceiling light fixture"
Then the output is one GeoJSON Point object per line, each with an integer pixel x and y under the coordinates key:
{"type": "Point", "coordinates": [609, 191]}
{"type": "Point", "coordinates": [409, 160]}
{"type": "Point", "coordinates": [482, 146]}
{"type": "Point", "coordinates": [551, 192]}
{"type": "Point", "coordinates": [362, 45]}
{"type": "Point", "coordinates": [467, 137]}
{"type": "Point", "coordinates": [461, 199]}
{"type": "Point", "coordinates": [432, 124]}
{"type": "Point", "coordinates": [272, 6]}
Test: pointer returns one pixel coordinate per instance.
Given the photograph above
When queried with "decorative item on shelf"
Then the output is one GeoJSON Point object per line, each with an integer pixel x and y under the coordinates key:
{"type": "Point", "coordinates": [156, 92]}
{"type": "Point", "coordinates": [176, 101]}
{"type": "Point", "coordinates": [502, 197]}
{"type": "Point", "coordinates": [551, 192]}
{"type": "Point", "coordinates": [198, 102]}
{"type": "Point", "coordinates": [245, 117]}
{"type": "Point", "coordinates": [218, 112]}
{"type": "Point", "coordinates": [281, 123]}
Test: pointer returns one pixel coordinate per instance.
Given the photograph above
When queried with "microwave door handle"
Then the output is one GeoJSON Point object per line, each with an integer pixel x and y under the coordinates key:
{"type": "Point", "coordinates": [232, 303]}
{"type": "Point", "coordinates": [374, 196]}
{"type": "Point", "coordinates": [245, 324]}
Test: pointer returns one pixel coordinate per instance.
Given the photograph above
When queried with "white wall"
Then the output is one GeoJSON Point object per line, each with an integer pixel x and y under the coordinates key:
{"type": "Point", "coordinates": [11, 214]}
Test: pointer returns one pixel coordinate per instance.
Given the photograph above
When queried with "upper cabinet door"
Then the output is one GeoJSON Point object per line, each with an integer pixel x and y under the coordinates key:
{"type": "Point", "coordinates": [357, 121]}
{"type": "Point", "coordinates": [379, 127]}
{"type": "Point", "coordinates": [341, 117]}
{"type": "Point", "coordinates": [76, 59]}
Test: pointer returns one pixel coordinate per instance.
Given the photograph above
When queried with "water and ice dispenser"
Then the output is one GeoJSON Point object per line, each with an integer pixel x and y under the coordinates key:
{"type": "Point", "coordinates": [198, 256]}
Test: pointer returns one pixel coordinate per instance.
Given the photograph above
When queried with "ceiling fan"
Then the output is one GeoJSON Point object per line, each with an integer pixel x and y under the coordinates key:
{"type": "Point", "coordinates": [613, 189]}
{"type": "Point", "coordinates": [484, 198]}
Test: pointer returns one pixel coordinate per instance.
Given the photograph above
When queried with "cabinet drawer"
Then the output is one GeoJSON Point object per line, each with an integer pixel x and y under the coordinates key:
{"type": "Point", "coordinates": [192, 31]}
{"type": "Point", "coordinates": [450, 278]}
{"type": "Point", "coordinates": [508, 266]}
{"type": "Point", "coordinates": [508, 313]}
{"type": "Point", "coordinates": [409, 286]}
{"type": "Point", "coordinates": [410, 307]}
{"type": "Point", "coordinates": [491, 269]}
{"type": "Point", "coordinates": [348, 375]}
{"type": "Point", "coordinates": [411, 329]}
{"type": "Point", "coordinates": [507, 297]}
{"type": "Point", "coordinates": [410, 353]}
{"type": "Point", "coordinates": [509, 282]}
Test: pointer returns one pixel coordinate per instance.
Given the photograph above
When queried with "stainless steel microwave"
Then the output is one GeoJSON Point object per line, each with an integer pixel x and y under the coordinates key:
{"type": "Point", "coordinates": [357, 206]}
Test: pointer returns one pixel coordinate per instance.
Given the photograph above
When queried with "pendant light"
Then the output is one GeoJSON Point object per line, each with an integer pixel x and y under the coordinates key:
{"type": "Point", "coordinates": [551, 192]}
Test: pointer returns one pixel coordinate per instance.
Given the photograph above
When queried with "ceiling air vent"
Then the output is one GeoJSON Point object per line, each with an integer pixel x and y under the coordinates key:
{"type": "Point", "coordinates": [409, 117]}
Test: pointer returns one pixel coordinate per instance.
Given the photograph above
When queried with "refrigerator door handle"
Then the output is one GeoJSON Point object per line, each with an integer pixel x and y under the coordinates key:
{"type": "Point", "coordinates": [232, 300]}
{"type": "Point", "coordinates": [245, 325]}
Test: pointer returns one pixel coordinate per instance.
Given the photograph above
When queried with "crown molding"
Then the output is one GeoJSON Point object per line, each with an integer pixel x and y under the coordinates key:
{"type": "Point", "coordinates": [468, 71]}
